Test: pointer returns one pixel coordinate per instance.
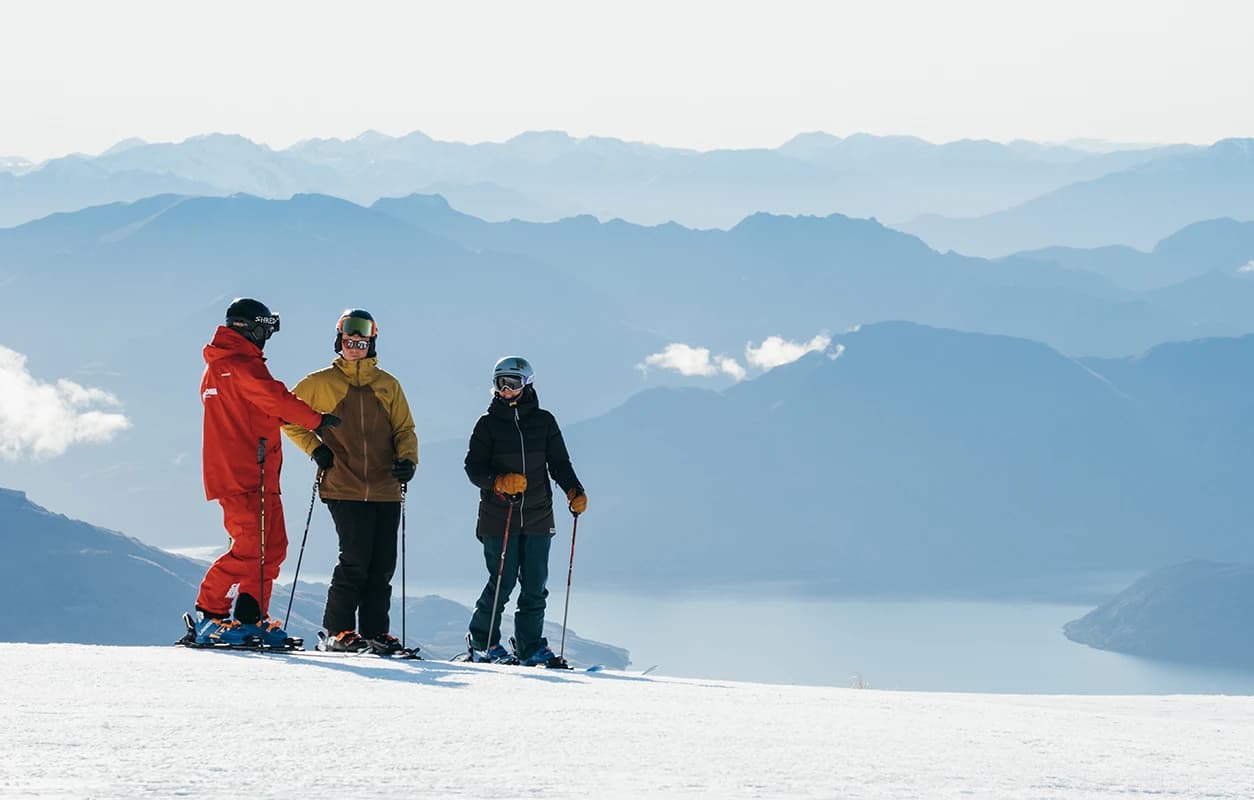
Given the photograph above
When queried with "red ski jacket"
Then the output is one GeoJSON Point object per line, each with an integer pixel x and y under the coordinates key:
{"type": "Point", "coordinates": [244, 403]}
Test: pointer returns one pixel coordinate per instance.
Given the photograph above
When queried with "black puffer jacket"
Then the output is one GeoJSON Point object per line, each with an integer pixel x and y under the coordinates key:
{"type": "Point", "coordinates": [518, 436]}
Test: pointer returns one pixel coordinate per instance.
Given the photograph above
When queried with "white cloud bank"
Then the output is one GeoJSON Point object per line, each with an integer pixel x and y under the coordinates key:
{"type": "Point", "coordinates": [44, 419]}
{"type": "Point", "coordinates": [693, 362]}
{"type": "Point", "coordinates": [775, 351]}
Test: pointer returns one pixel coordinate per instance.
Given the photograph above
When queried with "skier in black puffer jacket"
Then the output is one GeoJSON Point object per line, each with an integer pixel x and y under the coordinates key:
{"type": "Point", "coordinates": [514, 450]}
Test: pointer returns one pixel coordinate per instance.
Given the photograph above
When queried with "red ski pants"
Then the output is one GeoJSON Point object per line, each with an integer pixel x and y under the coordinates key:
{"type": "Point", "coordinates": [237, 571]}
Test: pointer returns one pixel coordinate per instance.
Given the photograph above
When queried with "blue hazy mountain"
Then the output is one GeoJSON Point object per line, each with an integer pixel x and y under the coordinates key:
{"type": "Point", "coordinates": [921, 458]}
{"type": "Point", "coordinates": [1196, 613]}
{"type": "Point", "coordinates": [1198, 395]}
{"type": "Point", "coordinates": [956, 177]}
{"type": "Point", "coordinates": [1137, 206]}
{"type": "Point", "coordinates": [815, 173]}
{"type": "Point", "coordinates": [836, 272]}
{"type": "Point", "coordinates": [123, 297]}
{"type": "Point", "coordinates": [232, 163]}
{"type": "Point", "coordinates": [1220, 245]}
{"type": "Point", "coordinates": [547, 175]}
{"type": "Point", "coordinates": [906, 459]}
{"type": "Point", "coordinates": [74, 182]}
{"type": "Point", "coordinates": [68, 581]}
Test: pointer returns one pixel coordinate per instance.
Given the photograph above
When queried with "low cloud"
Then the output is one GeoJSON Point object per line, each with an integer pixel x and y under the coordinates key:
{"type": "Point", "coordinates": [776, 351]}
{"type": "Point", "coordinates": [42, 420]}
{"type": "Point", "coordinates": [692, 361]}
{"type": "Point", "coordinates": [730, 366]}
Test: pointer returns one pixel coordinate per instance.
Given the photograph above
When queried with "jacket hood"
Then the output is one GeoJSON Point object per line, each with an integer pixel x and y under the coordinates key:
{"type": "Point", "coordinates": [227, 342]}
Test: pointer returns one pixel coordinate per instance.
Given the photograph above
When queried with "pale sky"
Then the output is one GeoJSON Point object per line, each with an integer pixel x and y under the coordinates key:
{"type": "Point", "coordinates": [80, 76]}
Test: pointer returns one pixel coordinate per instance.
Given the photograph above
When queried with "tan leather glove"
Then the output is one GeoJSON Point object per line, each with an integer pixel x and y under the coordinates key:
{"type": "Point", "coordinates": [578, 501]}
{"type": "Point", "coordinates": [510, 483]}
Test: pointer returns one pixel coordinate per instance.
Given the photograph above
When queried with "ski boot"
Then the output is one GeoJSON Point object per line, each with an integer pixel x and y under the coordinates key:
{"type": "Point", "coordinates": [211, 631]}
{"type": "Point", "coordinates": [272, 635]}
{"type": "Point", "coordinates": [496, 654]}
{"type": "Point", "coordinates": [385, 644]}
{"type": "Point", "coordinates": [342, 642]}
{"type": "Point", "coordinates": [544, 657]}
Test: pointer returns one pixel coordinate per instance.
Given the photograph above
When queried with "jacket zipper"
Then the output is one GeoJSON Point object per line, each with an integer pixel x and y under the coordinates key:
{"type": "Point", "coordinates": [365, 440]}
{"type": "Point", "coordinates": [522, 443]}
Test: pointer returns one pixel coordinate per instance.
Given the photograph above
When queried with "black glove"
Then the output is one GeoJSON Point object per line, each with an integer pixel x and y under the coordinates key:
{"type": "Point", "coordinates": [403, 470]}
{"type": "Point", "coordinates": [328, 421]}
{"type": "Point", "coordinates": [323, 456]}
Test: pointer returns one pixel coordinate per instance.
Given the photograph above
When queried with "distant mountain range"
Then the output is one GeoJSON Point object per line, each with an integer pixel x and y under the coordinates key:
{"type": "Point", "coordinates": [547, 175]}
{"type": "Point", "coordinates": [123, 297]}
{"type": "Point", "coordinates": [803, 273]}
{"type": "Point", "coordinates": [1195, 613]}
{"type": "Point", "coordinates": [68, 581]}
{"type": "Point", "coordinates": [1219, 245]}
{"type": "Point", "coordinates": [1136, 206]}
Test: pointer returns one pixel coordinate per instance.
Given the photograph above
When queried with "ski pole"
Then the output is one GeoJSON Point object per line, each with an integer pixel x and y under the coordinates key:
{"type": "Point", "coordinates": [404, 491]}
{"type": "Point", "coordinates": [500, 570]}
{"type": "Point", "coordinates": [261, 587]}
{"type": "Point", "coordinates": [308, 517]}
{"type": "Point", "coordinates": [570, 569]}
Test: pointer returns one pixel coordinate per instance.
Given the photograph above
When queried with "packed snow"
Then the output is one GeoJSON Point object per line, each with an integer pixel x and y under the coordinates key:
{"type": "Point", "coordinates": [112, 722]}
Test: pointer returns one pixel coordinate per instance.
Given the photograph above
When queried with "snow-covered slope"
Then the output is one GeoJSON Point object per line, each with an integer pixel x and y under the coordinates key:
{"type": "Point", "coordinates": [104, 722]}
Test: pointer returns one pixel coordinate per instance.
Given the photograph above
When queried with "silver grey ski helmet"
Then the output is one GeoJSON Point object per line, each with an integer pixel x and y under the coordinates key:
{"type": "Point", "coordinates": [512, 372]}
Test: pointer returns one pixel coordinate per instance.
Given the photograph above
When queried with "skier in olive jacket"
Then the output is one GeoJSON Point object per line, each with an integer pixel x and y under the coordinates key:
{"type": "Point", "coordinates": [514, 449]}
{"type": "Point", "coordinates": [365, 464]}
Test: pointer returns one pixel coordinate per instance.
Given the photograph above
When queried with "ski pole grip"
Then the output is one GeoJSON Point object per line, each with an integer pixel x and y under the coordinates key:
{"type": "Point", "coordinates": [261, 450]}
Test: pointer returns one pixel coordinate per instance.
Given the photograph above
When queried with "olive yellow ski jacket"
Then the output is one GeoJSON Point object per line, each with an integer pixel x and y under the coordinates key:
{"type": "Point", "coordinates": [377, 429]}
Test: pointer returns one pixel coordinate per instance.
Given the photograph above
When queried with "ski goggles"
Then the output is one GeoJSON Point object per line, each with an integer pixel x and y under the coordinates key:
{"type": "Point", "coordinates": [356, 326]}
{"type": "Point", "coordinates": [511, 382]}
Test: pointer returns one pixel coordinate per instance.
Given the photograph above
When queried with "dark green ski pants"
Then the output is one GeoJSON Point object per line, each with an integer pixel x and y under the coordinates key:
{"type": "Point", "coordinates": [526, 563]}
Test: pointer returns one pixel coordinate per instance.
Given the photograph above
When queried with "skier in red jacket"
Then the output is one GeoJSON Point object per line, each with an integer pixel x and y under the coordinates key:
{"type": "Point", "coordinates": [244, 407]}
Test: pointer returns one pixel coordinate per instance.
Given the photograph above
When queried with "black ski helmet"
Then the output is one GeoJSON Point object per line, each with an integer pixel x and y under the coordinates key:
{"type": "Point", "coordinates": [514, 369]}
{"type": "Point", "coordinates": [252, 319]}
{"type": "Point", "coordinates": [347, 317]}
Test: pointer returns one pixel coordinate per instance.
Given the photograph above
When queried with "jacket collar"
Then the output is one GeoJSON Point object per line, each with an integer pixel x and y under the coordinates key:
{"type": "Point", "coordinates": [359, 372]}
{"type": "Point", "coordinates": [526, 402]}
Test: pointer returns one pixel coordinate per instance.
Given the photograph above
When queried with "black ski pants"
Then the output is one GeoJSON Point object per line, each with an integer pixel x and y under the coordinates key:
{"type": "Point", "coordinates": [361, 586]}
{"type": "Point", "coordinates": [526, 562]}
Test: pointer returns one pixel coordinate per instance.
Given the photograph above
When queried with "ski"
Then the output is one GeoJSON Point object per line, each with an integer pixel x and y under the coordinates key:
{"type": "Point", "coordinates": [556, 662]}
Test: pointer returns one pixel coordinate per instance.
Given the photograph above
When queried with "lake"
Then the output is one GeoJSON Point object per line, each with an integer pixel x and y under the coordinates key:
{"type": "Point", "coordinates": [924, 645]}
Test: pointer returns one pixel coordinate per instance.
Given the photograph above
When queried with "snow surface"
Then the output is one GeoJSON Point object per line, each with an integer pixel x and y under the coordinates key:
{"type": "Point", "coordinates": [102, 722]}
